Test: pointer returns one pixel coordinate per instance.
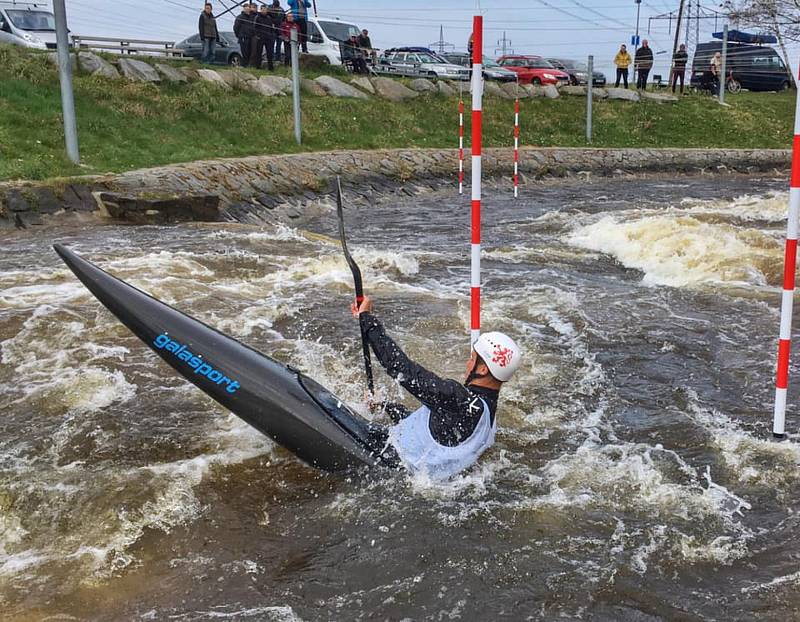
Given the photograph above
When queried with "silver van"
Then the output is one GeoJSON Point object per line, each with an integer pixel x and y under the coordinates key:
{"type": "Point", "coordinates": [27, 24]}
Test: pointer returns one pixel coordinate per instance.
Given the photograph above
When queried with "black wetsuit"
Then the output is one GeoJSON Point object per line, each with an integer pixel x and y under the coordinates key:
{"type": "Point", "coordinates": [455, 408]}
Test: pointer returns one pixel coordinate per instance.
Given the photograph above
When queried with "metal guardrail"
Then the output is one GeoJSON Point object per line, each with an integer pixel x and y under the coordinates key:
{"type": "Point", "coordinates": [144, 47]}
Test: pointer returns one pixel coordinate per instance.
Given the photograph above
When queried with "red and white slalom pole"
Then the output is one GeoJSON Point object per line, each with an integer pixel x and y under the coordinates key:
{"type": "Point", "coordinates": [516, 147]}
{"type": "Point", "coordinates": [460, 146]}
{"type": "Point", "coordinates": [477, 126]}
{"type": "Point", "coordinates": [787, 300]}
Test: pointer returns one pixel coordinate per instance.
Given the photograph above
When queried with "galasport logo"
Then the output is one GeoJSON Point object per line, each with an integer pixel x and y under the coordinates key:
{"type": "Point", "coordinates": [196, 362]}
{"type": "Point", "coordinates": [502, 356]}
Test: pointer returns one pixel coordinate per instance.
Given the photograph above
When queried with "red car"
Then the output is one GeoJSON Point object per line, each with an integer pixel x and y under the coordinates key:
{"type": "Point", "coordinates": [534, 70]}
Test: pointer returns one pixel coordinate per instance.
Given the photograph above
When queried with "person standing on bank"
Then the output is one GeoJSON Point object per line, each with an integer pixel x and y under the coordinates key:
{"type": "Point", "coordinates": [299, 10]}
{"type": "Point", "coordinates": [643, 63]}
{"type": "Point", "coordinates": [456, 422]}
{"type": "Point", "coordinates": [286, 36]}
{"type": "Point", "coordinates": [622, 60]}
{"type": "Point", "coordinates": [278, 15]}
{"type": "Point", "coordinates": [209, 34]}
{"type": "Point", "coordinates": [244, 29]}
{"type": "Point", "coordinates": [679, 60]}
{"type": "Point", "coordinates": [264, 39]}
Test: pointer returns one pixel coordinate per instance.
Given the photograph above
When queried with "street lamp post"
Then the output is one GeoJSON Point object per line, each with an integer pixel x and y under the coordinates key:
{"type": "Point", "coordinates": [638, 10]}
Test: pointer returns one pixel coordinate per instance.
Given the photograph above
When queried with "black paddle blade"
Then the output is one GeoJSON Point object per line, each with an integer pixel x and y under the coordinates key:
{"type": "Point", "coordinates": [350, 261]}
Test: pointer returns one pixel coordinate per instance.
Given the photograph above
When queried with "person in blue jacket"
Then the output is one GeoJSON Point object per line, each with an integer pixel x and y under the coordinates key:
{"type": "Point", "coordinates": [299, 9]}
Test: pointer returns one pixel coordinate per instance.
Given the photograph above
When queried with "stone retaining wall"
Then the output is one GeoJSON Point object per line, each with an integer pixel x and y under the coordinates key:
{"type": "Point", "coordinates": [263, 188]}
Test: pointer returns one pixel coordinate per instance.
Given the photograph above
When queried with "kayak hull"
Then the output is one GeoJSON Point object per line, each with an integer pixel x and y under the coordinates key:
{"type": "Point", "coordinates": [274, 398]}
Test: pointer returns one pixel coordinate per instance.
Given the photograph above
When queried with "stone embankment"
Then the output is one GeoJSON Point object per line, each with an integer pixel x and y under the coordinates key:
{"type": "Point", "coordinates": [283, 187]}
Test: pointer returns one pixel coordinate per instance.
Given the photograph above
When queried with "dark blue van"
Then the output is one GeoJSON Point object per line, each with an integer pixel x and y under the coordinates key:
{"type": "Point", "coordinates": [751, 67]}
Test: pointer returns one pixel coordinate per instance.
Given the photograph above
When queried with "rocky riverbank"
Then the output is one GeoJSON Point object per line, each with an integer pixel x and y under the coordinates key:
{"type": "Point", "coordinates": [286, 187]}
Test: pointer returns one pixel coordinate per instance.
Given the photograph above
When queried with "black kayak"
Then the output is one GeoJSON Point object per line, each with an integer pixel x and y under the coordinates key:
{"type": "Point", "coordinates": [277, 400]}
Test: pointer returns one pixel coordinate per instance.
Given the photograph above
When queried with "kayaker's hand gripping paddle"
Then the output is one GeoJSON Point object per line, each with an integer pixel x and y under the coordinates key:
{"type": "Point", "coordinates": [359, 286]}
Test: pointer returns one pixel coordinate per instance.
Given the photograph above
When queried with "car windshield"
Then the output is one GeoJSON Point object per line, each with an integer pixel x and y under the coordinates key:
{"type": "Point", "coordinates": [538, 63]}
{"type": "Point", "coordinates": [339, 31]}
{"type": "Point", "coordinates": [32, 20]}
{"type": "Point", "coordinates": [488, 62]}
{"type": "Point", "coordinates": [429, 58]}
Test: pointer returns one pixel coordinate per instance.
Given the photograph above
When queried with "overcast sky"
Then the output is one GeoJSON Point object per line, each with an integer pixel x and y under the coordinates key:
{"type": "Point", "coordinates": [566, 28]}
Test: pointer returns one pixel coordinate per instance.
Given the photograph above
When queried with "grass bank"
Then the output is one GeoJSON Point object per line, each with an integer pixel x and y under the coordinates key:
{"type": "Point", "coordinates": [125, 125]}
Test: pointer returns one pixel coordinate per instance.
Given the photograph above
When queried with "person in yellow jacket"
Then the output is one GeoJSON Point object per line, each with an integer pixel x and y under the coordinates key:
{"type": "Point", "coordinates": [622, 60]}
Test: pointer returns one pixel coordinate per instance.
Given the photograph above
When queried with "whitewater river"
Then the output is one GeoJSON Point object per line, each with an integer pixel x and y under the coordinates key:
{"type": "Point", "coordinates": [633, 478]}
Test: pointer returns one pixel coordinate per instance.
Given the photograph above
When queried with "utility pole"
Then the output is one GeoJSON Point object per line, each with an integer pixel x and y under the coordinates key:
{"type": "Point", "coordinates": [441, 39]}
{"type": "Point", "coordinates": [675, 44]}
{"type": "Point", "coordinates": [65, 79]}
{"type": "Point", "coordinates": [638, 10]}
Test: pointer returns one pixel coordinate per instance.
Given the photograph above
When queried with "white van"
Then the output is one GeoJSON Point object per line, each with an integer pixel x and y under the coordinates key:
{"type": "Point", "coordinates": [27, 24]}
{"type": "Point", "coordinates": [325, 34]}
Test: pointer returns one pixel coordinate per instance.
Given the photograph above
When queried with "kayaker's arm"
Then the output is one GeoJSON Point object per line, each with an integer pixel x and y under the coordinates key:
{"type": "Point", "coordinates": [442, 395]}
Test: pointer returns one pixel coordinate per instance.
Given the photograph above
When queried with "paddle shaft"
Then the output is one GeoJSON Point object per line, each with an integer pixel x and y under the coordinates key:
{"type": "Point", "coordinates": [358, 282]}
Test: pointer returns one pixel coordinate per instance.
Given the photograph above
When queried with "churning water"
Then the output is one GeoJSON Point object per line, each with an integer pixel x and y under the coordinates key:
{"type": "Point", "coordinates": [633, 474]}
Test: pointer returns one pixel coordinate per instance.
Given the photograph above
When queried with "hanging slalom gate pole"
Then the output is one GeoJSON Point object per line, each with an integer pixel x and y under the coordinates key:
{"type": "Point", "coordinates": [477, 124]}
{"type": "Point", "coordinates": [460, 146]}
{"type": "Point", "coordinates": [787, 300]}
{"type": "Point", "coordinates": [516, 144]}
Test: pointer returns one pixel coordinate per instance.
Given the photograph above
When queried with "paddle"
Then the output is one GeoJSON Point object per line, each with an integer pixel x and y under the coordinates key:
{"type": "Point", "coordinates": [359, 286]}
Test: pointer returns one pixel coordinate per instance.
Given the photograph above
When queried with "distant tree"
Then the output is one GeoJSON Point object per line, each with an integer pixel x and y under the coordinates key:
{"type": "Point", "coordinates": [778, 17]}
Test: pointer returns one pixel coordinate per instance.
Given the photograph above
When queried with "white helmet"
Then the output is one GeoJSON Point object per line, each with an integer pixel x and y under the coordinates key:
{"type": "Point", "coordinates": [501, 355]}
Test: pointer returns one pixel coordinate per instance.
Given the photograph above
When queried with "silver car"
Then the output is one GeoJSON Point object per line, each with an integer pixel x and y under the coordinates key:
{"type": "Point", "coordinates": [419, 63]}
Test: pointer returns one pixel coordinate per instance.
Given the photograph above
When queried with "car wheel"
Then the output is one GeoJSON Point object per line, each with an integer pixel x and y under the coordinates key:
{"type": "Point", "coordinates": [734, 86]}
{"type": "Point", "coordinates": [784, 86]}
{"type": "Point", "coordinates": [235, 59]}
{"type": "Point", "coordinates": [536, 81]}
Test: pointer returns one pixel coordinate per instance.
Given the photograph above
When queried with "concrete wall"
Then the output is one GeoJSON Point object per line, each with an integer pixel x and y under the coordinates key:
{"type": "Point", "coordinates": [263, 188]}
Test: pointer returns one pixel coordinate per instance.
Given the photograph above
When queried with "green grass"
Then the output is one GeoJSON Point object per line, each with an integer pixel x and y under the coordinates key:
{"type": "Point", "coordinates": [124, 126]}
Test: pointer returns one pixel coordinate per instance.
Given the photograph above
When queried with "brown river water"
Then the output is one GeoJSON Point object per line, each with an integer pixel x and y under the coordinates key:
{"type": "Point", "coordinates": [634, 477]}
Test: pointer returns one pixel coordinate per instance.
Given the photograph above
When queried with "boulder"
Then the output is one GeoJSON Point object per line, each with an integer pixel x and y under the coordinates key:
{"type": "Point", "coordinates": [598, 93]}
{"type": "Point", "coordinates": [364, 84]}
{"type": "Point", "coordinates": [533, 90]}
{"type": "Point", "coordinates": [392, 90]}
{"type": "Point", "coordinates": [550, 91]}
{"type": "Point", "coordinates": [492, 88]}
{"type": "Point", "coordinates": [617, 93]}
{"type": "Point", "coordinates": [263, 87]}
{"type": "Point", "coordinates": [236, 77]}
{"type": "Point", "coordinates": [53, 58]}
{"type": "Point", "coordinates": [209, 75]}
{"type": "Point", "coordinates": [280, 83]}
{"type": "Point", "coordinates": [578, 91]}
{"type": "Point", "coordinates": [661, 98]}
{"type": "Point", "coordinates": [96, 65]}
{"type": "Point", "coordinates": [191, 74]}
{"type": "Point", "coordinates": [513, 90]}
{"type": "Point", "coordinates": [137, 70]}
{"type": "Point", "coordinates": [337, 88]}
{"type": "Point", "coordinates": [445, 89]}
{"type": "Point", "coordinates": [311, 88]}
{"type": "Point", "coordinates": [171, 73]}
{"type": "Point", "coordinates": [421, 85]}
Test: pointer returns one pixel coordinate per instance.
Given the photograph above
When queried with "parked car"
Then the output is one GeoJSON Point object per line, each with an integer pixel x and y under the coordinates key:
{"type": "Point", "coordinates": [534, 70]}
{"type": "Point", "coordinates": [753, 67]}
{"type": "Point", "coordinates": [227, 51]}
{"type": "Point", "coordinates": [27, 25]}
{"type": "Point", "coordinates": [578, 72]}
{"type": "Point", "coordinates": [325, 35]}
{"type": "Point", "coordinates": [491, 70]}
{"type": "Point", "coordinates": [419, 62]}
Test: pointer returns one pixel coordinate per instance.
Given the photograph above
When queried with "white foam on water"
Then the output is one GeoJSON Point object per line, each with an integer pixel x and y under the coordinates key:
{"type": "Point", "coordinates": [750, 459]}
{"type": "Point", "coordinates": [684, 251]}
{"type": "Point", "coordinates": [268, 614]}
{"type": "Point", "coordinates": [771, 207]}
